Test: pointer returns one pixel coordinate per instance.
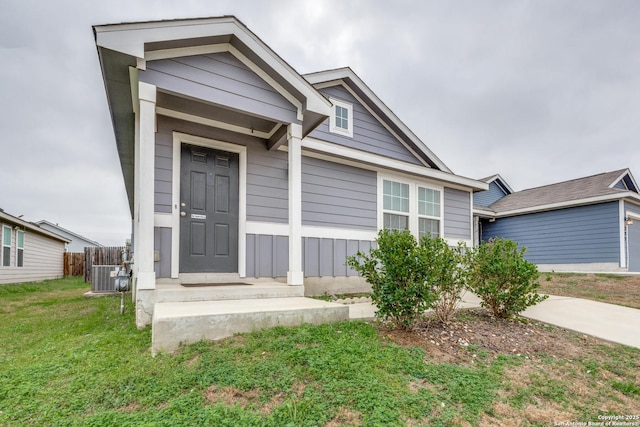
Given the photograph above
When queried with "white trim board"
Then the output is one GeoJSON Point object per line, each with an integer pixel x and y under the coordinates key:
{"type": "Point", "coordinates": [339, 154]}
{"type": "Point", "coordinates": [178, 140]}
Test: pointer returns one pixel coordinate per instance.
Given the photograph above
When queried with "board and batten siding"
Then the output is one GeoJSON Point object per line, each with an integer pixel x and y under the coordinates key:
{"type": "Point", "coordinates": [220, 79]}
{"type": "Point", "coordinates": [488, 197]}
{"type": "Point", "coordinates": [457, 214]}
{"type": "Point", "coordinates": [162, 244]}
{"type": "Point", "coordinates": [339, 196]}
{"type": "Point", "coordinates": [268, 256]}
{"type": "Point", "coordinates": [328, 257]}
{"type": "Point", "coordinates": [582, 234]}
{"type": "Point", "coordinates": [43, 260]}
{"type": "Point", "coordinates": [368, 133]}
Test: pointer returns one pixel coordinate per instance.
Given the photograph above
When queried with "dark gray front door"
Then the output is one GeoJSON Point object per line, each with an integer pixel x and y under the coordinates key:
{"type": "Point", "coordinates": [208, 211]}
{"type": "Point", "coordinates": [633, 237]}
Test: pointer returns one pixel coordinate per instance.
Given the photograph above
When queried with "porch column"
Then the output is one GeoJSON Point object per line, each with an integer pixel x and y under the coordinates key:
{"type": "Point", "coordinates": [295, 275]}
{"type": "Point", "coordinates": [144, 187]}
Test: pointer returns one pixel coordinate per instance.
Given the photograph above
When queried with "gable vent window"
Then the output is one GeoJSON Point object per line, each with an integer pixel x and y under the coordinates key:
{"type": "Point", "coordinates": [341, 121]}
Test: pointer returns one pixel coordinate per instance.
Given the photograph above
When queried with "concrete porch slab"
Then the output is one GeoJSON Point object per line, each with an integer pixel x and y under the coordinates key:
{"type": "Point", "coordinates": [176, 323]}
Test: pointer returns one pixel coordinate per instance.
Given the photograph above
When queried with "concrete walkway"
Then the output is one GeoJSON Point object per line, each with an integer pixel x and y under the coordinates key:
{"type": "Point", "coordinates": [609, 322]}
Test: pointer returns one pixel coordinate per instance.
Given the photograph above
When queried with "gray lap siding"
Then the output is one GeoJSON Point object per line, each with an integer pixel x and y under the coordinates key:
{"type": "Point", "coordinates": [339, 196]}
{"type": "Point", "coordinates": [368, 133]}
{"type": "Point", "coordinates": [457, 214]}
{"type": "Point", "coordinates": [583, 234]}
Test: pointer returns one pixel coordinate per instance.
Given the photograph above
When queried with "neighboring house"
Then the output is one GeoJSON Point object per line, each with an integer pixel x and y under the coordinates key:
{"type": "Point", "coordinates": [585, 224]}
{"type": "Point", "coordinates": [29, 253]}
{"type": "Point", "coordinates": [77, 243]}
{"type": "Point", "coordinates": [238, 167]}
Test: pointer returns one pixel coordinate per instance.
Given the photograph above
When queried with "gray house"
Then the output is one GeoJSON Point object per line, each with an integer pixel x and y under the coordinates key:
{"type": "Point", "coordinates": [238, 168]}
{"type": "Point", "coordinates": [29, 253]}
{"type": "Point", "coordinates": [585, 224]}
{"type": "Point", "coordinates": [77, 243]}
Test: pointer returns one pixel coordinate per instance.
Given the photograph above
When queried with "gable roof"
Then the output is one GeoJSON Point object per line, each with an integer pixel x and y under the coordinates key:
{"type": "Point", "coordinates": [124, 48]}
{"type": "Point", "coordinates": [590, 189]}
{"type": "Point", "coordinates": [350, 80]}
{"type": "Point", "coordinates": [500, 182]}
{"type": "Point", "coordinates": [5, 217]}
{"type": "Point", "coordinates": [64, 230]}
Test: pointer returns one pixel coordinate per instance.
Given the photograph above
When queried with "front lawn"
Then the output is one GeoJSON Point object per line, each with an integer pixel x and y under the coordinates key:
{"type": "Point", "coordinates": [610, 288]}
{"type": "Point", "coordinates": [67, 360]}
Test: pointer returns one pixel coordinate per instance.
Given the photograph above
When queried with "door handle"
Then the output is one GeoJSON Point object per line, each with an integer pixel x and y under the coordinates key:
{"type": "Point", "coordinates": [183, 213]}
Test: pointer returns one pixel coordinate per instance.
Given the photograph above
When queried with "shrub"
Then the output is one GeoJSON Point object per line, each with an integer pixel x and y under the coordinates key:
{"type": "Point", "coordinates": [396, 270]}
{"type": "Point", "coordinates": [505, 282]}
{"type": "Point", "coordinates": [446, 274]}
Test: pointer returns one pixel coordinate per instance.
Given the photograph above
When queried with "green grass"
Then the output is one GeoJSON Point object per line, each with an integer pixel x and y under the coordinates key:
{"type": "Point", "coordinates": [67, 360]}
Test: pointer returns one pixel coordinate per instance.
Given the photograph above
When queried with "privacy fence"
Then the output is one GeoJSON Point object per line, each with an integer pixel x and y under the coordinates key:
{"type": "Point", "coordinates": [80, 263]}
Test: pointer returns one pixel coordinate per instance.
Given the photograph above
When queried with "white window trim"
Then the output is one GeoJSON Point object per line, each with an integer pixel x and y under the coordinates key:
{"type": "Point", "coordinates": [2, 245]}
{"type": "Point", "coordinates": [436, 218]}
{"type": "Point", "coordinates": [332, 120]}
{"type": "Point", "coordinates": [413, 201]}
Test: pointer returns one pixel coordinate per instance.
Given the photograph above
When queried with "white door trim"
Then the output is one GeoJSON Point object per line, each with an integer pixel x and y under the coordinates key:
{"type": "Point", "coordinates": [178, 140]}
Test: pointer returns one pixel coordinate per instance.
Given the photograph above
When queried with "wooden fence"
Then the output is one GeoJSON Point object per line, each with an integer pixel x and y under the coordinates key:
{"type": "Point", "coordinates": [74, 263]}
{"type": "Point", "coordinates": [111, 255]}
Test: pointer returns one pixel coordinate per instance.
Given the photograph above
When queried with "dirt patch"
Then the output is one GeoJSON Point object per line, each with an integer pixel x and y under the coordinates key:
{"type": "Point", "coordinates": [234, 396]}
{"type": "Point", "coordinates": [231, 395]}
{"type": "Point", "coordinates": [609, 288]}
{"type": "Point", "coordinates": [475, 335]}
{"type": "Point", "coordinates": [345, 417]}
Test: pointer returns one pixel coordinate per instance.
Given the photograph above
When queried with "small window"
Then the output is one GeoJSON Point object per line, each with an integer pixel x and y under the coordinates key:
{"type": "Point", "coordinates": [395, 205]}
{"type": "Point", "coordinates": [341, 121]}
{"type": "Point", "coordinates": [6, 246]}
{"type": "Point", "coordinates": [20, 248]}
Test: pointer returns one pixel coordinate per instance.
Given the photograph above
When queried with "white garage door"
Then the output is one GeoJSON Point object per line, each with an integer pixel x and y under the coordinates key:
{"type": "Point", "coordinates": [634, 246]}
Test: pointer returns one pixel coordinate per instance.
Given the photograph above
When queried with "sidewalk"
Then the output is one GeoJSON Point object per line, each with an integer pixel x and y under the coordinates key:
{"type": "Point", "coordinates": [609, 322]}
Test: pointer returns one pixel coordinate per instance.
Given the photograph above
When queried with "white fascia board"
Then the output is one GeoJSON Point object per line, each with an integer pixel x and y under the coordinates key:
{"type": "Point", "coordinates": [568, 204]}
{"type": "Point", "coordinates": [361, 157]}
{"type": "Point", "coordinates": [342, 73]}
{"type": "Point", "coordinates": [502, 183]}
{"type": "Point", "coordinates": [484, 212]}
{"type": "Point", "coordinates": [627, 172]}
{"type": "Point", "coordinates": [27, 226]}
{"type": "Point", "coordinates": [131, 39]}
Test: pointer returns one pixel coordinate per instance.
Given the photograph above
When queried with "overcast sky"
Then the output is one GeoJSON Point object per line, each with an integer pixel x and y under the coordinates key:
{"type": "Point", "coordinates": [538, 91]}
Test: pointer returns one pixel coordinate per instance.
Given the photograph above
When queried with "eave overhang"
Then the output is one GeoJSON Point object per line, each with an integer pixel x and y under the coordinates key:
{"type": "Point", "coordinates": [124, 48]}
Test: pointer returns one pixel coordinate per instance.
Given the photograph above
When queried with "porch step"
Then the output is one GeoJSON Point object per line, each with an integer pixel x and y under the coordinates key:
{"type": "Point", "coordinates": [189, 322]}
{"type": "Point", "coordinates": [259, 290]}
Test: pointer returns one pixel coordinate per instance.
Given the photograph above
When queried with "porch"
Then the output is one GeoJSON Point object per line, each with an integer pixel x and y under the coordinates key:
{"type": "Point", "coordinates": [185, 313]}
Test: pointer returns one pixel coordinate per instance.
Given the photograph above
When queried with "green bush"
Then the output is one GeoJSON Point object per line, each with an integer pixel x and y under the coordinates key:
{"type": "Point", "coordinates": [446, 274]}
{"type": "Point", "coordinates": [397, 271]}
{"type": "Point", "coordinates": [505, 282]}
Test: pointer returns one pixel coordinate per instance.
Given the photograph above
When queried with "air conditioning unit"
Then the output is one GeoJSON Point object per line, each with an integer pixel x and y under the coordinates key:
{"type": "Point", "coordinates": [102, 278]}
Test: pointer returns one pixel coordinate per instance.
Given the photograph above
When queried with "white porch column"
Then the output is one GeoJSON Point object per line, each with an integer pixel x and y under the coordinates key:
{"type": "Point", "coordinates": [295, 275]}
{"type": "Point", "coordinates": [144, 187]}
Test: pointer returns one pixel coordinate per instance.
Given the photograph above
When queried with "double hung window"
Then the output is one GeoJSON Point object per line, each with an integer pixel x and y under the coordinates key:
{"type": "Point", "coordinates": [20, 248]}
{"type": "Point", "coordinates": [411, 206]}
{"type": "Point", "coordinates": [6, 246]}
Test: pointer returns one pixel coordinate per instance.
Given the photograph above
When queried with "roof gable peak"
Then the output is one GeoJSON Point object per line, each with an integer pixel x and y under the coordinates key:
{"type": "Point", "coordinates": [347, 78]}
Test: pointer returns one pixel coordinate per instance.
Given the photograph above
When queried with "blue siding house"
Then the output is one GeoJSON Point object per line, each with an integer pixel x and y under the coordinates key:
{"type": "Point", "coordinates": [239, 169]}
{"type": "Point", "coordinates": [586, 224]}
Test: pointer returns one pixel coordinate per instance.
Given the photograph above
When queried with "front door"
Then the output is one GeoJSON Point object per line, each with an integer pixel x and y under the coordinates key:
{"type": "Point", "coordinates": [208, 210]}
